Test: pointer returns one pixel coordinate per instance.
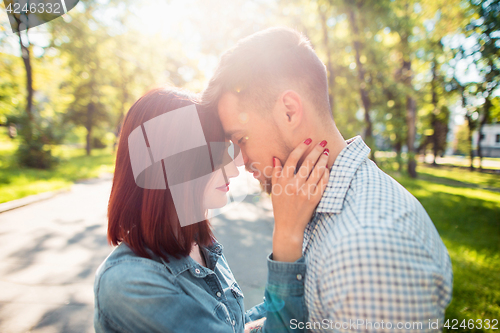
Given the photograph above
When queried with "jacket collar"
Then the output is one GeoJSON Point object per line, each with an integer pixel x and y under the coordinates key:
{"type": "Point", "coordinates": [179, 265]}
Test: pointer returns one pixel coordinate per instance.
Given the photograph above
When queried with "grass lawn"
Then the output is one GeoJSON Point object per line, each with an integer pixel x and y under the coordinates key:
{"type": "Point", "coordinates": [465, 208]}
{"type": "Point", "coordinates": [18, 182]}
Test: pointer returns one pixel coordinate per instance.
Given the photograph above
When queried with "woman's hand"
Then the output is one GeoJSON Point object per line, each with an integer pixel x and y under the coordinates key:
{"type": "Point", "coordinates": [295, 195]}
{"type": "Point", "coordinates": [255, 326]}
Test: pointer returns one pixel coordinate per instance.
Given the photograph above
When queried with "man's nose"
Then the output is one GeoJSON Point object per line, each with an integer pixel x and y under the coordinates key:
{"type": "Point", "coordinates": [242, 159]}
{"type": "Point", "coordinates": [245, 158]}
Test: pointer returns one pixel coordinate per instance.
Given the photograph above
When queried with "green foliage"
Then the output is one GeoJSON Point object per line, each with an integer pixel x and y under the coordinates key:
{"type": "Point", "coordinates": [10, 95]}
{"type": "Point", "coordinates": [98, 143]}
{"type": "Point", "coordinates": [495, 110]}
{"type": "Point", "coordinates": [35, 139]}
{"type": "Point", "coordinates": [16, 182]}
{"type": "Point", "coordinates": [35, 155]}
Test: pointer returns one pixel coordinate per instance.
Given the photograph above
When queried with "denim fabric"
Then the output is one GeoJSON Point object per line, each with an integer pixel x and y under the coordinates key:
{"type": "Point", "coordinates": [284, 295]}
{"type": "Point", "coordinates": [135, 294]}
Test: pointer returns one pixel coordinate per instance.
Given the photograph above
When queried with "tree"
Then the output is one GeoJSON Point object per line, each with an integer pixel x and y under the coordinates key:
{"type": "Point", "coordinates": [439, 114]}
{"type": "Point", "coordinates": [33, 150]}
{"type": "Point", "coordinates": [462, 140]}
{"type": "Point", "coordinates": [323, 9]}
{"type": "Point", "coordinates": [86, 52]}
{"type": "Point", "coordinates": [358, 44]}
{"type": "Point", "coordinates": [470, 116]}
{"type": "Point", "coordinates": [484, 27]}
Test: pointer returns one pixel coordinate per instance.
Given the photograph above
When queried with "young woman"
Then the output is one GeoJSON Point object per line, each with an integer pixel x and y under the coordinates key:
{"type": "Point", "coordinates": [168, 273]}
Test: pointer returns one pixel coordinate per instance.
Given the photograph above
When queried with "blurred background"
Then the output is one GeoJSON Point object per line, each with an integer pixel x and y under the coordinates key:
{"type": "Point", "coordinates": [418, 79]}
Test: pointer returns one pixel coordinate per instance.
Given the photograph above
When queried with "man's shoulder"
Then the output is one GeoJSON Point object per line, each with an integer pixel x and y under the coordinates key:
{"type": "Point", "coordinates": [370, 179]}
{"type": "Point", "coordinates": [377, 198]}
{"type": "Point", "coordinates": [376, 202]}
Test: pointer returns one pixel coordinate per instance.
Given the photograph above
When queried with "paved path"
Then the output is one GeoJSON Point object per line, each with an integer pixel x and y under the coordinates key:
{"type": "Point", "coordinates": [49, 252]}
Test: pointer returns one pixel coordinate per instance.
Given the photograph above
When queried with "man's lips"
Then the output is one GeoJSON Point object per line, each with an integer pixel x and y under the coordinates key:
{"type": "Point", "coordinates": [254, 172]}
{"type": "Point", "coordinates": [223, 188]}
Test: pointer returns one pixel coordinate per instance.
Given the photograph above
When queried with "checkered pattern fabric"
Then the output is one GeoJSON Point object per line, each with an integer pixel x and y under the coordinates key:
{"type": "Point", "coordinates": [375, 261]}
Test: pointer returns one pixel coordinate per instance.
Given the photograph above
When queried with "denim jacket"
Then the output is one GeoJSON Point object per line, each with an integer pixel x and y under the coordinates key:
{"type": "Point", "coordinates": [135, 294]}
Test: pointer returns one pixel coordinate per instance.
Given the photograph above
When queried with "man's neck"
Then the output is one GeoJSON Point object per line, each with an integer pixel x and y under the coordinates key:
{"type": "Point", "coordinates": [335, 142]}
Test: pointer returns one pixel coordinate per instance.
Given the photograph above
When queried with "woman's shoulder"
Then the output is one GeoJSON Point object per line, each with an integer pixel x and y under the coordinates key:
{"type": "Point", "coordinates": [123, 257]}
{"type": "Point", "coordinates": [123, 268]}
{"type": "Point", "coordinates": [125, 284]}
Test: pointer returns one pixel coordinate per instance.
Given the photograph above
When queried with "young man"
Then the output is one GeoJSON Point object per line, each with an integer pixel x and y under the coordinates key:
{"type": "Point", "coordinates": [375, 261]}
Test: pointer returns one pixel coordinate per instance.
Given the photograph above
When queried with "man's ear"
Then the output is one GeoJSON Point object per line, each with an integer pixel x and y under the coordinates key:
{"type": "Point", "coordinates": [290, 111]}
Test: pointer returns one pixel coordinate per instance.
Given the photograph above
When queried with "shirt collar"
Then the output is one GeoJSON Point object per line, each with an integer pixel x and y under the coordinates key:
{"type": "Point", "coordinates": [178, 265]}
{"type": "Point", "coordinates": [341, 175]}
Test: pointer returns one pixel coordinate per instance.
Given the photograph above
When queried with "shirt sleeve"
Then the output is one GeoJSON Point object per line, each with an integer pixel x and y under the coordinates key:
{"type": "Point", "coordinates": [284, 295]}
{"type": "Point", "coordinates": [256, 312]}
{"type": "Point", "coordinates": [381, 278]}
{"type": "Point", "coordinates": [148, 302]}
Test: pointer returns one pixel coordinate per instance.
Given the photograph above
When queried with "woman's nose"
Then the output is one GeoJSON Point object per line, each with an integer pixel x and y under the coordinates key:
{"type": "Point", "coordinates": [231, 170]}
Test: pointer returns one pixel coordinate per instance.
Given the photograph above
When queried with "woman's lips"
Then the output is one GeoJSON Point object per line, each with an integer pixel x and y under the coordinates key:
{"type": "Point", "coordinates": [224, 188]}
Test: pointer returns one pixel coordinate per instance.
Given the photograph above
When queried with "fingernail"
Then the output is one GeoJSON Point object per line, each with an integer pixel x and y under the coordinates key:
{"type": "Point", "coordinates": [326, 152]}
{"type": "Point", "coordinates": [274, 162]}
{"type": "Point", "coordinates": [323, 143]}
{"type": "Point", "coordinates": [308, 141]}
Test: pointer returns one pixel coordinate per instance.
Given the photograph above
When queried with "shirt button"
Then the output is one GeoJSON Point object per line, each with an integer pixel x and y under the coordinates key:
{"type": "Point", "coordinates": [219, 294]}
{"type": "Point", "coordinates": [233, 322]}
{"type": "Point", "coordinates": [197, 271]}
{"type": "Point", "coordinates": [299, 277]}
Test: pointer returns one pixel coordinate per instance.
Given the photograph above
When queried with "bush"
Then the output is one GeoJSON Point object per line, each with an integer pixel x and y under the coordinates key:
{"type": "Point", "coordinates": [35, 155]}
{"type": "Point", "coordinates": [98, 143]}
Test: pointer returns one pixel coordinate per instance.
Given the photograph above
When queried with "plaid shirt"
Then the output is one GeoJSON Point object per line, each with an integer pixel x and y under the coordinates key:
{"type": "Point", "coordinates": [375, 261]}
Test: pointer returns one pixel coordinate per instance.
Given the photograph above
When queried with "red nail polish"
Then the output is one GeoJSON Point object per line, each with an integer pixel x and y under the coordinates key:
{"type": "Point", "coordinates": [308, 141]}
{"type": "Point", "coordinates": [326, 152]}
{"type": "Point", "coordinates": [323, 143]}
{"type": "Point", "coordinates": [274, 161]}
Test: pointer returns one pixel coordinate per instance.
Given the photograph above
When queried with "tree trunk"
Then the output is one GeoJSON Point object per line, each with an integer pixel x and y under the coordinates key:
{"type": "Point", "coordinates": [398, 155]}
{"type": "Point", "coordinates": [411, 120]}
{"type": "Point", "coordinates": [406, 77]}
{"type": "Point", "coordinates": [329, 66]}
{"type": "Point", "coordinates": [434, 121]}
{"type": "Point", "coordinates": [365, 99]}
{"type": "Point", "coordinates": [26, 55]}
{"type": "Point", "coordinates": [484, 120]}
{"type": "Point", "coordinates": [470, 125]}
{"type": "Point", "coordinates": [88, 126]}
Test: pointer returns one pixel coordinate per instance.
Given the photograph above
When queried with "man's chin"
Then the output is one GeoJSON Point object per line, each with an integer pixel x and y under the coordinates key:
{"type": "Point", "coordinates": [266, 186]}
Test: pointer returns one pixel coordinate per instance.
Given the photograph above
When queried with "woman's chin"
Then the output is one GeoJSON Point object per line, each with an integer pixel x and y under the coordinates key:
{"type": "Point", "coordinates": [216, 201]}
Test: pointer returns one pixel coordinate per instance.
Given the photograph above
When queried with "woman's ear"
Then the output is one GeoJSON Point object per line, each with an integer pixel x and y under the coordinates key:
{"type": "Point", "coordinates": [290, 111]}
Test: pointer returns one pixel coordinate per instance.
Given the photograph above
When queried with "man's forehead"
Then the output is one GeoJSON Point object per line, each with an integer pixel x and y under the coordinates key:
{"type": "Point", "coordinates": [232, 116]}
{"type": "Point", "coordinates": [229, 105]}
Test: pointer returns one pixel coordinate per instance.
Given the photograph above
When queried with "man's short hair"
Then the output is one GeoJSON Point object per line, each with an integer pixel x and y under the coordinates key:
{"type": "Point", "coordinates": [261, 66]}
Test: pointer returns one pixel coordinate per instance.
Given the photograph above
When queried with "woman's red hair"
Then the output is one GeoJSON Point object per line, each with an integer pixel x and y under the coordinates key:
{"type": "Point", "coordinates": [147, 219]}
